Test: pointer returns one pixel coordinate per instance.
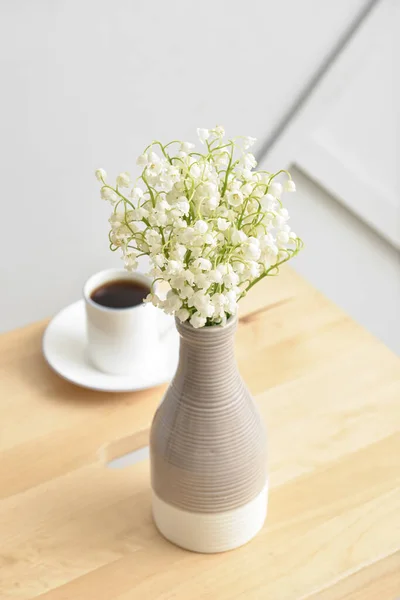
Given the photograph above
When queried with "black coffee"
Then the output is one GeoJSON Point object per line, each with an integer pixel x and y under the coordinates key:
{"type": "Point", "coordinates": [120, 293]}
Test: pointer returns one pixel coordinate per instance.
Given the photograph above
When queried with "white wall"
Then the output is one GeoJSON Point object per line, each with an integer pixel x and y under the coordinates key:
{"type": "Point", "coordinates": [87, 84]}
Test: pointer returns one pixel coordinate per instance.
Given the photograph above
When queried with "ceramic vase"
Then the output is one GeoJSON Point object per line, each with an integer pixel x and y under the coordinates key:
{"type": "Point", "coordinates": [208, 448]}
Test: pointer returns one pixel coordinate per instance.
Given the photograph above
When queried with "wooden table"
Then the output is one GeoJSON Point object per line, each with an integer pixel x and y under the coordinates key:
{"type": "Point", "coordinates": [71, 528]}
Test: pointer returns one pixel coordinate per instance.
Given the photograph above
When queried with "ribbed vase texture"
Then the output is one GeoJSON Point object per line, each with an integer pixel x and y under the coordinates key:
{"type": "Point", "coordinates": [208, 443]}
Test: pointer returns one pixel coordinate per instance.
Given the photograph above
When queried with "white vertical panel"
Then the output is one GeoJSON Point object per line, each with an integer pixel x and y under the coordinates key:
{"type": "Point", "coordinates": [346, 260]}
{"type": "Point", "coordinates": [347, 136]}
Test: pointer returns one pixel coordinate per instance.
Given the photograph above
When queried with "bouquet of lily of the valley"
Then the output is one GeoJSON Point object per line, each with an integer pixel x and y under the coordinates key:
{"type": "Point", "coordinates": [211, 226]}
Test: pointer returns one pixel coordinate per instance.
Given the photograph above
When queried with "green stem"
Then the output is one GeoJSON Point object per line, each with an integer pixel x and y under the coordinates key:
{"type": "Point", "coordinates": [119, 194]}
{"type": "Point", "coordinates": [227, 173]}
{"type": "Point", "coordinates": [153, 201]}
{"type": "Point", "coordinates": [267, 272]}
{"type": "Point", "coordinates": [167, 156]}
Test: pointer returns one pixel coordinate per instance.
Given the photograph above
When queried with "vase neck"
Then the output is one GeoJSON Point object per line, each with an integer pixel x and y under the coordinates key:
{"type": "Point", "coordinates": [207, 359]}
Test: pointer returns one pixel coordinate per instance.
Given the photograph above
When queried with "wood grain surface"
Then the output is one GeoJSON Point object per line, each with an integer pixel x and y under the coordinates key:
{"type": "Point", "coordinates": [71, 528]}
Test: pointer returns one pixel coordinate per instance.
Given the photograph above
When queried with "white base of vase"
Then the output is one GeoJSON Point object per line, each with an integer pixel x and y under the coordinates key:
{"type": "Point", "coordinates": [207, 533]}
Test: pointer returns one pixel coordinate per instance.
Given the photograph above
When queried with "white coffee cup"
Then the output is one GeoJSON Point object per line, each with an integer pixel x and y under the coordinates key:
{"type": "Point", "coordinates": [120, 340]}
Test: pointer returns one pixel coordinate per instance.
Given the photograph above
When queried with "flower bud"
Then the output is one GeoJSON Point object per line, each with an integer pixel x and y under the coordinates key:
{"type": "Point", "coordinates": [100, 175]}
{"type": "Point", "coordinates": [124, 180]}
{"type": "Point", "coordinates": [290, 186]}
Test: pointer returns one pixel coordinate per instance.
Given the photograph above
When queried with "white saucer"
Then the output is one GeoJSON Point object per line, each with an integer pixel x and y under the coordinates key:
{"type": "Point", "coordinates": [64, 348]}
